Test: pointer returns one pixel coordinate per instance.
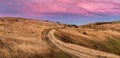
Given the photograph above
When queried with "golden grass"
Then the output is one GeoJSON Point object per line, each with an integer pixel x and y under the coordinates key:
{"type": "Point", "coordinates": [23, 38]}
{"type": "Point", "coordinates": [93, 38]}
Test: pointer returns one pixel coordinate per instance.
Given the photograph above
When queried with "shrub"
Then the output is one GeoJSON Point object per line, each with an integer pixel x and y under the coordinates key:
{"type": "Point", "coordinates": [85, 33]}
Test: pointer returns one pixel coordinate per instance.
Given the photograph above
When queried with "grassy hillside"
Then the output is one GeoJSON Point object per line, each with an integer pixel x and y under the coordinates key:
{"type": "Point", "coordinates": [27, 38]}
{"type": "Point", "coordinates": [103, 36]}
{"type": "Point", "coordinates": [21, 38]}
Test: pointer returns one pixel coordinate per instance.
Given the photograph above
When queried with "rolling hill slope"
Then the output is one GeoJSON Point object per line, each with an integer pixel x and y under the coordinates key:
{"type": "Point", "coordinates": [28, 38]}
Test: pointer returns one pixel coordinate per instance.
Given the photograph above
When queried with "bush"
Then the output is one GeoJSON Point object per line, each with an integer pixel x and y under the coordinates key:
{"type": "Point", "coordinates": [71, 25]}
{"type": "Point", "coordinates": [74, 25]}
{"type": "Point", "coordinates": [58, 23]}
{"type": "Point", "coordinates": [85, 33]}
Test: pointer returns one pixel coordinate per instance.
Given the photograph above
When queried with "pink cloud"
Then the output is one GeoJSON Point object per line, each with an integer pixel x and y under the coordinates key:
{"type": "Point", "coordinates": [84, 7]}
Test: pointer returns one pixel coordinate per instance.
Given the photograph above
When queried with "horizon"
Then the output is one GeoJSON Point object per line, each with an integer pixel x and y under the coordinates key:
{"type": "Point", "coordinates": [65, 11]}
{"type": "Point", "coordinates": [61, 22]}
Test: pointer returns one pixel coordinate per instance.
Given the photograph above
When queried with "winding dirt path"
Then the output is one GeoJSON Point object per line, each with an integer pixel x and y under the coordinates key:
{"type": "Point", "coordinates": [72, 49]}
{"type": "Point", "coordinates": [77, 50]}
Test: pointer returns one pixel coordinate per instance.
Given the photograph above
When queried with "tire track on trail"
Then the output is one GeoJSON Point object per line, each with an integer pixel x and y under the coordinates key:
{"type": "Point", "coordinates": [45, 38]}
{"type": "Point", "coordinates": [79, 51]}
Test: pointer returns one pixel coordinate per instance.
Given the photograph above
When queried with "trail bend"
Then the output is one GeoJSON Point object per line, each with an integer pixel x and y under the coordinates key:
{"type": "Point", "coordinates": [79, 51]}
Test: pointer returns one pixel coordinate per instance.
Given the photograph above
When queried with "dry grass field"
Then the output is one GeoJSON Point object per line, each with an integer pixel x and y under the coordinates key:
{"type": "Point", "coordinates": [28, 38]}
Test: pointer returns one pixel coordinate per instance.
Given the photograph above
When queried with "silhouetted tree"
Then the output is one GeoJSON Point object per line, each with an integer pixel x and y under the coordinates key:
{"type": "Point", "coordinates": [47, 20]}
{"type": "Point", "coordinates": [74, 25]}
{"type": "Point", "coordinates": [58, 23]}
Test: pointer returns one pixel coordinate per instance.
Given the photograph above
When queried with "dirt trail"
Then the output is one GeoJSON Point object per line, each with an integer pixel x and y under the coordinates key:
{"type": "Point", "coordinates": [76, 50]}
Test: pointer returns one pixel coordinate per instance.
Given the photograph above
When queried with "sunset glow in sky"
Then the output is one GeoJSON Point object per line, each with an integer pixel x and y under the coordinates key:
{"type": "Point", "coordinates": [66, 11]}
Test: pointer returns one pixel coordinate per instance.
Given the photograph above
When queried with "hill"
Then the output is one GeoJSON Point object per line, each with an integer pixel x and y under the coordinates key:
{"type": "Point", "coordinates": [28, 38]}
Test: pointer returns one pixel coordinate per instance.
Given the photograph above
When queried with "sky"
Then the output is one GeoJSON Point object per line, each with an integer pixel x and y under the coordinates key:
{"type": "Point", "coordinates": [64, 11]}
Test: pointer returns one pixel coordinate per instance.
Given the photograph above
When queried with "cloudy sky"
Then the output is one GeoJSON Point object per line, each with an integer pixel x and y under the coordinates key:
{"type": "Point", "coordinates": [65, 11]}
